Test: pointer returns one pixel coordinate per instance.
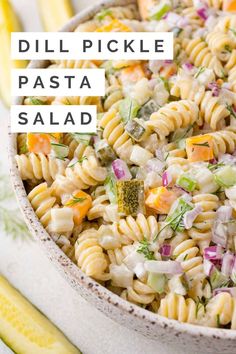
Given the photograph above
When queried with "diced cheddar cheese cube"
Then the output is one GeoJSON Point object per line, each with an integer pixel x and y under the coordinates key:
{"type": "Point", "coordinates": [144, 8]}
{"type": "Point", "coordinates": [41, 142]}
{"type": "Point", "coordinates": [229, 5]}
{"type": "Point", "coordinates": [200, 148]}
{"type": "Point", "coordinates": [160, 199]}
{"type": "Point", "coordinates": [132, 74]}
{"type": "Point", "coordinates": [80, 202]}
{"type": "Point", "coordinates": [114, 26]}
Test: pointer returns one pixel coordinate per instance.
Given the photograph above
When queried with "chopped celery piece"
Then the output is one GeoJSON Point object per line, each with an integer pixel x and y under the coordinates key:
{"type": "Point", "coordinates": [157, 282]}
{"type": "Point", "coordinates": [160, 10]}
{"type": "Point", "coordinates": [130, 197]}
{"type": "Point", "coordinates": [175, 218]}
{"type": "Point", "coordinates": [103, 13]}
{"type": "Point", "coordinates": [225, 176]}
{"type": "Point", "coordinates": [217, 279]}
{"type": "Point", "coordinates": [104, 152]}
{"type": "Point", "coordinates": [82, 138]}
{"type": "Point", "coordinates": [128, 109]}
{"type": "Point", "coordinates": [110, 186]}
{"type": "Point", "coordinates": [60, 150]}
{"type": "Point", "coordinates": [186, 182]}
{"type": "Point", "coordinates": [135, 129]}
{"type": "Point", "coordinates": [147, 109]}
{"type": "Point", "coordinates": [178, 284]}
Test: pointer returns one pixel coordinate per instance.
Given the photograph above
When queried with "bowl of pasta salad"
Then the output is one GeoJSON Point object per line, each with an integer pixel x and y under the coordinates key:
{"type": "Point", "coordinates": [141, 217]}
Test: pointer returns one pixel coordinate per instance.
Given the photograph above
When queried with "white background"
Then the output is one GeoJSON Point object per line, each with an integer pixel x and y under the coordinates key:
{"type": "Point", "coordinates": [24, 264]}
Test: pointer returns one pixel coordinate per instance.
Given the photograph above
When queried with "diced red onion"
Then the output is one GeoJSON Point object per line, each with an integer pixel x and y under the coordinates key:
{"type": "Point", "coordinates": [224, 213]}
{"type": "Point", "coordinates": [219, 233]}
{"type": "Point", "coordinates": [167, 61]}
{"type": "Point", "coordinates": [213, 252]}
{"type": "Point", "coordinates": [202, 12]}
{"type": "Point", "coordinates": [152, 83]}
{"type": "Point", "coordinates": [226, 85]}
{"type": "Point", "coordinates": [155, 165]}
{"type": "Point", "coordinates": [166, 179]}
{"type": "Point", "coordinates": [188, 66]}
{"type": "Point", "coordinates": [121, 170]}
{"type": "Point", "coordinates": [190, 216]}
{"type": "Point", "coordinates": [227, 264]}
{"type": "Point", "coordinates": [155, 65]}
{"type": "Point", "coordinates": [214, 88]}
{"type": "Point", "coordinates": [165, 250]}
{"type": "Point", "coordinates": [233, 272]}
{"type": "Point", "coordinates": [208, 267]}
{"type": "Point", "coordinates": [183, 22]}
{"type": "Point", "coordinates": [172, 18]}
{"type": "Point", "coordinates": [231, 291]}
{"type": "Point", "coordinates": [163, 267]}
{"type": "Point", "coordinates": [227, 159]}
{"type": "Point", "coordinates": [160, 154]}
{"type": "Point", "coordinates": [213, 161]}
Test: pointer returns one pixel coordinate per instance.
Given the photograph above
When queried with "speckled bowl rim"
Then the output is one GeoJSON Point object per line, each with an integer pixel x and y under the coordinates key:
{"type": "Point", "coordinates": [110, 304]}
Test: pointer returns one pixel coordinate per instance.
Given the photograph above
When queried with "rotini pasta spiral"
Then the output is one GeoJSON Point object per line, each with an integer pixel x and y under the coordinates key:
{"type": "Point", "coordinates": [202, 227]}
{"type": "Point", "coordinates": [173, 116]}
{"type": "Point", "coordinates": [200, 54]}
{"type": "Point", "coordinates": [140, 293]}
{"type": "Point", "coordinates": [82, 175]}
{"type": "Point", "coordinates": [89, 255]}
{"type": "Point", "coordinates": [42, 202]}
{"type": "Point", "coordinates": [115, 134]}
{"type": "Point", "coordinates": [39, 166]}
{"type": "Point", "coordinates": [139, 228]}
{"type": "Point", "coordinates": [176, 307]}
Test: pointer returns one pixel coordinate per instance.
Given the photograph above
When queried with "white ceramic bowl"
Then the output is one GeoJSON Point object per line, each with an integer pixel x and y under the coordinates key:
{"type": "Point", "coordinates": [174, 333]}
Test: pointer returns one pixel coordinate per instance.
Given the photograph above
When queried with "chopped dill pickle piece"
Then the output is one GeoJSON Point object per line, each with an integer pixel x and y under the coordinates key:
{"type": "Point", "coordinates": [104, 152]}
{"type": "Point", "coordinates": [147, 109]}
{"type": "Point", "coordinates": [135, 129]}
{"type": "Point", "coordinates": [130, 197]}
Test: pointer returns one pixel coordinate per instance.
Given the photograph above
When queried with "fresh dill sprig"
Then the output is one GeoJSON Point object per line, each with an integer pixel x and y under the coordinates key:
{"type": "Point", "coordinates": [12, 223]}
{"type": "Point", "coordinates": [144, 249]}
{"type": "Point", "coordinates": [231, 110]}
{"type": "Point", "coordinates": [75, 200]}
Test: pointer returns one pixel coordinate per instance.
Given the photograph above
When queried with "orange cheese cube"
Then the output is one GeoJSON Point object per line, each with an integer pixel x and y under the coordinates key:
{"type": "Point", "coordinates": [200, 148]}
{"type": "Point", "coordinates": [132, 73]}
{"type": "Point", "coordinates": [160, 199]}
{"type": "Point", "coordinates": [114, 26]}
{"type": "Point", "coordinates": [229, 5]}
{"type": "Point", "coordinates": [80, 202]}
{"type": "Point", "coordinates": [41, 142]}
{"type": "Point", "coordinates": [144, 8]}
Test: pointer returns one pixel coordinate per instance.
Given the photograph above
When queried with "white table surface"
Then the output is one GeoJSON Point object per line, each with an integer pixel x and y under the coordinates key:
{"type": "Point", "coordinates": [27, 268]}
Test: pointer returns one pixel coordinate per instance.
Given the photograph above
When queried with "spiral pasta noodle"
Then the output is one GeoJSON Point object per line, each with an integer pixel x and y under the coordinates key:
{"type": "Point", "coordinates": [39, 166]}
{"type": "Point", "coordinates": [42, 202]}
{"type": "Point", "coordinates": [173, 116]}
{"type": "Point", "coordinates": [89, 255]}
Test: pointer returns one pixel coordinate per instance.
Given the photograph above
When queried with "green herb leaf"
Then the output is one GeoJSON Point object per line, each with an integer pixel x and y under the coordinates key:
{"type": "Point", "coordinates": [144, 249]}
{"type": "Point", "coordinates": [199, 72]}
{"type": "Point", "coordinates": [203, 144]}
{"type": "Point", "coordinates": [175, 220]}
{"type": "Point", "coordinates": [231, 110]}
{"type": "Point", "coordinates": [102, 14]}
{"type": "Point", "coordinates": [36, 101]}
{"type": "Point", "coordinates": [75, 200]}
{"type": "Point", "coordinates": [213, 167]}
{"type": "Point", "coordinates": [233, 31]}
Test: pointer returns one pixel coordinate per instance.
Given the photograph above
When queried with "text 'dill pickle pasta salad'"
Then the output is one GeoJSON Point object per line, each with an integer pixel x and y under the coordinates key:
{"type": "Point", "coordinates": [147, 206]}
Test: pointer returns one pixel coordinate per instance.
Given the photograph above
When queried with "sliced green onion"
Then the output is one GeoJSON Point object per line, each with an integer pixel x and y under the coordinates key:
{"type": "Point", "coordinates": [160, 10]}
{"type": "Point", "coordinates": [110, 186]}
{"type": "Point", "coordinates": [157, 282]}
{"type": "Point", "coordinates": [60, 150]}
{"type": "Point", "coordinates": [186, 182]}
{"type": "Point", "coordinates": [225, 176]}
{"type": "Point", "coordinates": [128, 109]}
